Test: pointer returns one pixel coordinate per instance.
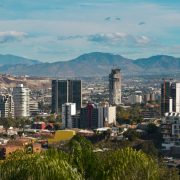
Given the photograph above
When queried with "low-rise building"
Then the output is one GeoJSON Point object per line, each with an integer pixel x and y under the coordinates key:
{"type": "Point", "coordinates": [170, 128]}
{"type": "Point", "coordinates": [68, 111]}
{"type": "Point", "coordinates": [6, 106]}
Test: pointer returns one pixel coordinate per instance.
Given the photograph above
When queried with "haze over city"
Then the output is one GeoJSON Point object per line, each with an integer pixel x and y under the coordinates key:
{"type": "Point", "coordinates": [56, 30]}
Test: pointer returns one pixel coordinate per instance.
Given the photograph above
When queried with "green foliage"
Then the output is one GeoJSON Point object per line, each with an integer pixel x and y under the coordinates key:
{"type": "Point", "coordinates": [45, 166]}
{"type": "Point", "coordinates": [131, 134]}
{"type": "Point", "coordinates": [82, 156]}
{"type": "Point", "coordinates": [128, 164]}
{"type": "Point", "coordinates": [21, 122]}
{"type": "Point", "coordinates": [7, 122]}
{"type": "Point", "coordinates": [80, 162]}
{"type": "Point", "coordinates": [148, 148]}
{"type": "Point", "coordinates": [133, 114]}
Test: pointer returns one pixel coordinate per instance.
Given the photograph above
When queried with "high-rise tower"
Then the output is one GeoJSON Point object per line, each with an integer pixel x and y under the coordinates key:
{"type": "Point", "coordinates": [170, 97]}
{"type": "Point", "coordinates": [115, 87]}
{"type": "Point", "coordinates": [64, 91]}
{"type": "Point", "coordinates": [21, 101]}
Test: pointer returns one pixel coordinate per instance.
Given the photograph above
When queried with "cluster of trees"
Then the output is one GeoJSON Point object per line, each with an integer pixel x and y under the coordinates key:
{"type": "Point", "coordinates": [79, 161]}
{"type": "Point", "coordinates": [21, 122]}
{"type": "Point", "coordinates": [129, 115]}
{"type": "Point", "coordinates": [11, 122]}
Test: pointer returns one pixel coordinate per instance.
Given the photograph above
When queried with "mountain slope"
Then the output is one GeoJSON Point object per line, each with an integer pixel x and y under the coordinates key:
{"type": "Point", "coordinates": [159, 64]}
{"type": "Point", "coordinates": [97, 64]}
{"type": "Point", "coordinates": [92, 64]}
{"type": "Point", "coordinates": [12, 60]}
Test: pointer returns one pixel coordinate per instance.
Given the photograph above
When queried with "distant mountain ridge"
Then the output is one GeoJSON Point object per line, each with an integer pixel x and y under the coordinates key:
{"type": "Point", "coordinates": [95, 64]}
{"type": "Point", "coordinates": [13, 60]}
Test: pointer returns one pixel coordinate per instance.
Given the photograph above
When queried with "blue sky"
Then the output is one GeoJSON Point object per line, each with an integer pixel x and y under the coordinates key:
{"type": "Point", "coordinates": [55, 30]}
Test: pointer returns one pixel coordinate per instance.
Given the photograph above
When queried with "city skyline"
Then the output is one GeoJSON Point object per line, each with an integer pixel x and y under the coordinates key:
{"type": "Point", "coordinates": [57, 30]}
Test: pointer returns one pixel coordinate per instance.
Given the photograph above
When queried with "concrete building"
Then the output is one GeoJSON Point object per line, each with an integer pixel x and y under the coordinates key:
{"type": "Point", "coordinates": [33, 107]}
{"type": "Point", "coordinates": [149, 97]}
{"type": "Point", "coordinates": [135, 99]}
{"type": "Point", "coordinates": [110, 115]}
{"type": "Point", "coordinates": [68, 111]}
{"type": "Point", "coordinates": [6, 106]}
{"type": "Point", "coordinates": [115, 87]}
{"type": "Point", "coordinates": [21, 101]}
{"type": "Point", "coordinates": [93, 116]}
{"type": "Point", "coordinates": [64, 91]}
{"type": "Point", "coordinates": [170, 128]}
{"type": "Point", "coordinates": [170, 93]}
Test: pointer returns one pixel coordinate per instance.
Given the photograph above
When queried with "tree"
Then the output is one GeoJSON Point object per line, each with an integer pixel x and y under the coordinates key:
{"type": "Point", "coordinates": [82, 156]}
{"type": "Point", "coordinates": [44, 166]}
{"type": "Point", "coordinates": [129, 164]}
{"type": "Point", "coordinates": [152, 128]}
{"type": "Point", "coordinates": [7, 122]}
{"type": "Point", "coordinates": [131, 134]}
{"type": "Point", "coordinates": [148, 148]}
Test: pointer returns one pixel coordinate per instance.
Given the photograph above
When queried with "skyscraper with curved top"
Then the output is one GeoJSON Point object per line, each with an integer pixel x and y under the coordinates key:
{"type": "Point", "coordinates": [21, 101]}
{"type": "Point", "coordinates": [115, 87]}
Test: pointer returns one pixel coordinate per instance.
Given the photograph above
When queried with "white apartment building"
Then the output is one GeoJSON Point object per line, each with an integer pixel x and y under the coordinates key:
{"type": "Point", "coordinates": [68, 110]}
{"type": "Point", "coordinates": [21, 101]}
{"type": "Point", "coordinates": [106, 115]}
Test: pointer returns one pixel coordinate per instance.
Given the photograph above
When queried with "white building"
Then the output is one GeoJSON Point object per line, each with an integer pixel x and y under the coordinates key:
{"type": "Point", "coordinates": [6, 106]}
{"type": "Point", "coordinates": [21, 101]}
{"type": "Point", "coordinates": [110, 114]}
{"type": "Point", "coordinates": [33, 107]}
{"type": "Point", "coordinates": [115, 87]}
{"type": "Point", "coordinates": [106, 115]}
{"type": "Point", "coordinates": [170, 128]}
{"type": "Point", "coordinates": [177, 101]}
{"type": "Point", "coordinates": [68, 110]}
{"type": "Point", "coordinates": [135, 99]}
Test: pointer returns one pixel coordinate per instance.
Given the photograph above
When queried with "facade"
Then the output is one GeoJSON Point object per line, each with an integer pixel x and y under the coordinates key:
{"type": "Point", "coordinates": [6, 106]}
{"type": "Point", "coordinates": [170, 128]}
{"type": "Point", "coordinates": [110, 115]}
{"type": "Point", "coordinates": [135, 99]}
{"type": "Point", "coordinates": [92, 116]}
{"type": "Point", "coordinates": [64, 91]}
{"type": "Point", "coordinates": [115, 87]}
{"type": "Point", "coordinates": [33, 107]}
{"type": "Point", "coordinates": [149, 97]}
{"type": "Point", "coordinates": [21, 101]}
{"type": "Point", "coordinates": [170, 97]}
{"type": "Point", "coordinates": [68, 111]}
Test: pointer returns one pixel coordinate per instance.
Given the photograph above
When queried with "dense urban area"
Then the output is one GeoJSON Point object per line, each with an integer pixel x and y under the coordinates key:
{"type": "Point", "coordinates": [87, 126]}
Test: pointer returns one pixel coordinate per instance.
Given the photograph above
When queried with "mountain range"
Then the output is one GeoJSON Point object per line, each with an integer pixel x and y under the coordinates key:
{"type": "Point", "coordinates": [12, 60]}
{"type": "Point", "coordinates": [89, 65]}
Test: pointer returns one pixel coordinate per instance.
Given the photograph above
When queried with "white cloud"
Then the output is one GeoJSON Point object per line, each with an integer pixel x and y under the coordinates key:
{"type": "Point", "coordinates": [143, 40]}
{"type": "Point", "coordinates": [9, 36]}
{"type": "Point", "coordinates": [119, 38]}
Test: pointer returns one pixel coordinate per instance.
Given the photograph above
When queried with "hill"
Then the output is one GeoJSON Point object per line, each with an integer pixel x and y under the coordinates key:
{"type": "Point", "coordinates": [12, 60]}
{"type": "Point", "coordinates": [8, 81]}
{"type": "Point", "coordinates": [160, 64]}
{"type": "Point", "coordinates": [97, 64]}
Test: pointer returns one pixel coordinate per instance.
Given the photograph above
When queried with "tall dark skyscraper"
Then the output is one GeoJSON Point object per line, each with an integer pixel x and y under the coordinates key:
{"type": "Point", "coordinates": [64, 91]}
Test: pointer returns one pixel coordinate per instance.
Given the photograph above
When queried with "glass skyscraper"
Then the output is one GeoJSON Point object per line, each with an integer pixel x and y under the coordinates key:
{"type": "Point", "coordinates": [64, 91]}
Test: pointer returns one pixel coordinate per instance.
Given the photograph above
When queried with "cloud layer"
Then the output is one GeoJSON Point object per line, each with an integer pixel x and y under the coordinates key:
{"type": "Point", "coordinates": [52, 30]}
{"type": "Point", "coordinates": [10, 36]}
